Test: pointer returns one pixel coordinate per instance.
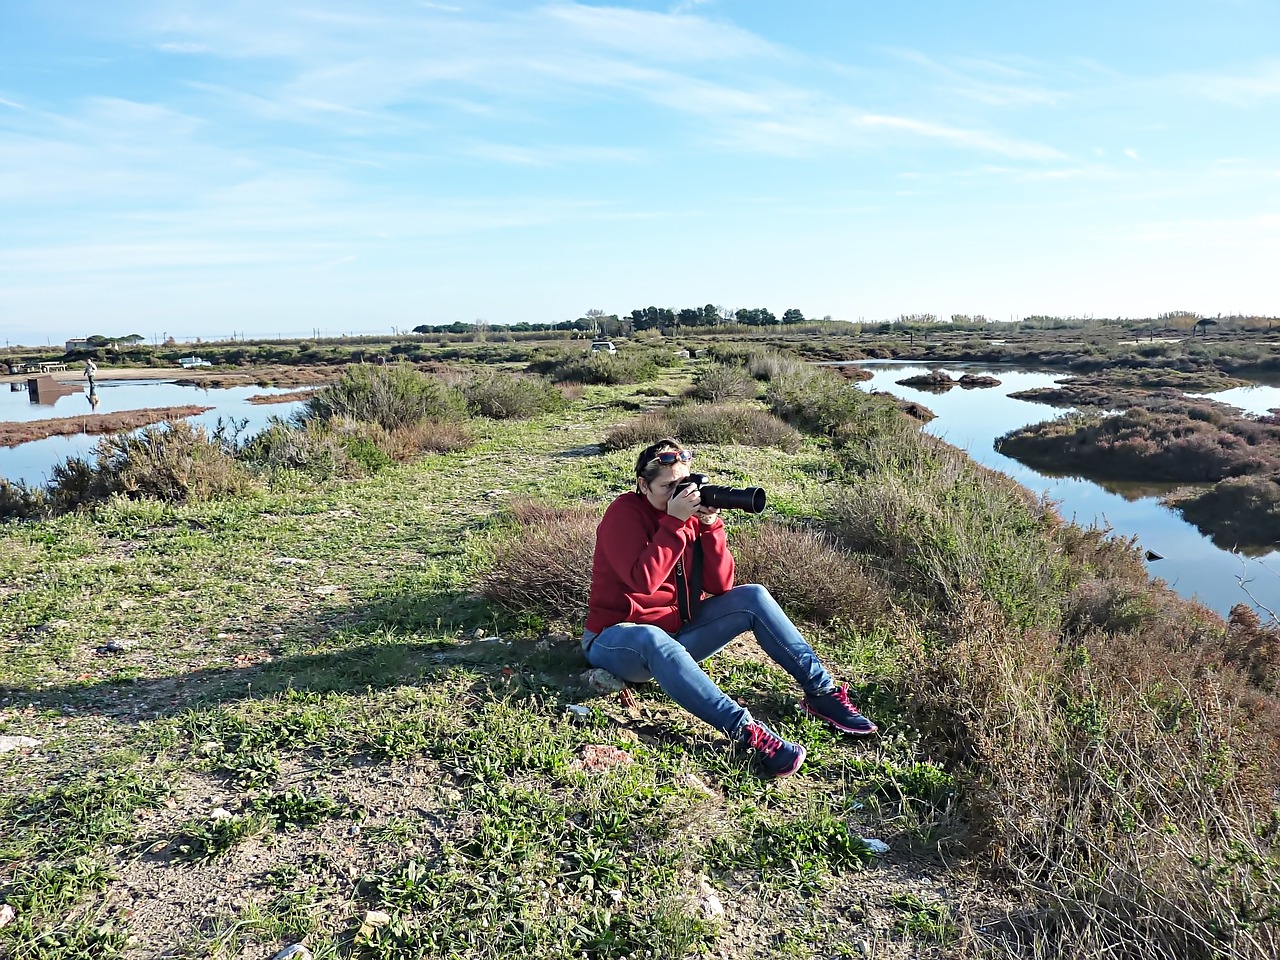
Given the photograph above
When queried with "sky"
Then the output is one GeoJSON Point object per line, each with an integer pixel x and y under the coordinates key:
{"type": "Point", "coordinates": [261, 169]}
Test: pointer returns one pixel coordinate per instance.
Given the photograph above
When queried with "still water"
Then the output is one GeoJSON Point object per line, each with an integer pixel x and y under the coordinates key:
{"type": "Point", "coordinates": [31, 462]}
{"type": "Point", "coordinates": [1192, 564]}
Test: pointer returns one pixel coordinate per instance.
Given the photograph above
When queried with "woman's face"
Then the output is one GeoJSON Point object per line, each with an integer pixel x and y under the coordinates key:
{"type": "Point", "coordinates": [659, 491]}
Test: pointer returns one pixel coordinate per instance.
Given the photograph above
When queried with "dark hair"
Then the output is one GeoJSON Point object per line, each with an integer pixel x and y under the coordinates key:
{"type": "Point", "coordinates": [646, 466]}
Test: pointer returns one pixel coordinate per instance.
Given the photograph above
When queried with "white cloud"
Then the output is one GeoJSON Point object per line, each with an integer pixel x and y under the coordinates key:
{"type": "Point", "coordinates": [970, 139]}
{"type": "Point", "coordinates": [1241, 89]}
{"type": "Point", "coordinates": [1132, 154]}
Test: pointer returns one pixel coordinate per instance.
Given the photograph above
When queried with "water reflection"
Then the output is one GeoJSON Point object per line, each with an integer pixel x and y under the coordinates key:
{"type": "Point", "coordinates": [32, 462]}
{"type": "Point", "coordinates": [972, 420]}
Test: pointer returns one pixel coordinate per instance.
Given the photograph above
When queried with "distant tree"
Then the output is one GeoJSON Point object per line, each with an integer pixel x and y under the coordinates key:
{"type": "Point", "coordinates": [689, 317]}
{"type": "Point", "coordinates": [755, 316]}
{"type": "Point", "coordinates": [793, 316]}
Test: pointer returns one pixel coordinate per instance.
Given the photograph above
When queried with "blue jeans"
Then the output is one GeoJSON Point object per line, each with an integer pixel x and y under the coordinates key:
{"type": "Point", "coordinates": [636, 652]}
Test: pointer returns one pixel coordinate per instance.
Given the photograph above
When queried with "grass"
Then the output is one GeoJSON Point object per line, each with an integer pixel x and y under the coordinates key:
{"type": "Point", "coordinates": [316, 712]}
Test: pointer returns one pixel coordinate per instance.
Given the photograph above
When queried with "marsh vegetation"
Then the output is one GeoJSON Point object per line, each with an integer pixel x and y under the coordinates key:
{"type": "Point", "coordinates": [331, 677]}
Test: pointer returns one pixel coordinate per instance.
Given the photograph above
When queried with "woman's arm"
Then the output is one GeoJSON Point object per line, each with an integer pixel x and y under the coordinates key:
{"type": "Point", "coordinates": [641, 564]}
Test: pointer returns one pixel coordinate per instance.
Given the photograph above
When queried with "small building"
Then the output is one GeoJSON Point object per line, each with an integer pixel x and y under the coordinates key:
{"type": "Point", "coordinates": [77, 344]}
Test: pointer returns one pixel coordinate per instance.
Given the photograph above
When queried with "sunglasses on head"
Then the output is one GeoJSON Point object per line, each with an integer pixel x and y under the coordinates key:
{"type": "Point", "coordinates": [668, 457]}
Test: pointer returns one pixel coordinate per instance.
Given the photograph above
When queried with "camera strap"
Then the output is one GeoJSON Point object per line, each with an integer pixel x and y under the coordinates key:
{"type": "Point", "coordinates": [689, 591]}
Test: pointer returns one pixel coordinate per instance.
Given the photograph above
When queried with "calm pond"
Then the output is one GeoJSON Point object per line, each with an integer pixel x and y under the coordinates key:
{"type": "Point", "coordinates": [1192, 565]}
{"type": "Point", "coordinates": [32, 461]}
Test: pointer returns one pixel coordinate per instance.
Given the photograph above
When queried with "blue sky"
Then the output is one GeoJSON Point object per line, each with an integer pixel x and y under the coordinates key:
{"type": "Point", "coordinates": [203, 168]}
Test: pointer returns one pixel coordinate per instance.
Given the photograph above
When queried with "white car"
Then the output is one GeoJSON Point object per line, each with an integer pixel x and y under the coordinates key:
{"type": "Point", "coordinates": [186, 363]}
{"type": "Point", "coordinates": [603, 346]}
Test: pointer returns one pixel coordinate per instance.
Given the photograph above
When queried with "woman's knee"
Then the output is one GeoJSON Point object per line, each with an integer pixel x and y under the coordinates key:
{"type": "Point", "coordinates": [755, 596]}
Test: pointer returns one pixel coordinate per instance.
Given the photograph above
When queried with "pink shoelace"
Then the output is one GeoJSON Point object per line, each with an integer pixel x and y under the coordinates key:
{"type": "Point", "coordinates": [842, 694]}
{"type": "Point", "coordinates": [758, 738]}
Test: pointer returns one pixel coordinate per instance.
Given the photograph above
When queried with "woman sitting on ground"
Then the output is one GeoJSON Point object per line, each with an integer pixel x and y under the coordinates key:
{"type": "Point", "coordinates": [647, 622]}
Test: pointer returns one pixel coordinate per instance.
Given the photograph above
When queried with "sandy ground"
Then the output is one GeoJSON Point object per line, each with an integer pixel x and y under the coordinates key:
{"type": "Point", "coordinates": [276, 376]}
{"type": "Point", "coordinates": [111, 373]}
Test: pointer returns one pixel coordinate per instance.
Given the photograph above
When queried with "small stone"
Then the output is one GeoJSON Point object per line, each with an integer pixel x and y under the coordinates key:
{"type": "Point", "coordinates": [709, 900]}
{"type": "Point", "coordinates": [477, 633]}
{"type": "Point", "coordinates": [7, 914]}
{"type": "Point", "coordinates": [696, 783]}
{"type": "Point", "coordinates": [112, 646]}
{"type": "Point", "coordinates": [210, 747]}
{"type": "Point", "coordinates": [377, 918]}
{"type": "Point", "coordinates": [602, 681]}
{"type": "Point", "coordinates": [293, 950]}
{"type": "Point", "coordinates": [219, 813]}
{"type": "Point", "coordinates": [18, 743]}
{"type": "Point", "coordinates": [878, 847]}
{"type": "Point", "coordinates": [578, 713]}
{"type": "Point", "coordinates": [290, 561]}
{"type": "Point", "coordinates": [325, 590]}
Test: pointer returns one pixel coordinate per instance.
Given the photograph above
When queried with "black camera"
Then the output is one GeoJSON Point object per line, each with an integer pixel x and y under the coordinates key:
{"type": "Point", "coordinates": [750, 499]}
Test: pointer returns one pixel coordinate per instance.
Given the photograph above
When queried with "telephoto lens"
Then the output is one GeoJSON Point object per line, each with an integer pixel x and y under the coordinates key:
{"type": "Point", "coordinates": [750, 499]}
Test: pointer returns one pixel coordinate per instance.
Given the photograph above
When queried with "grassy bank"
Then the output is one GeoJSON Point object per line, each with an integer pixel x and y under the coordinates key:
{"type": "Point", "coordinates": [334, 710]}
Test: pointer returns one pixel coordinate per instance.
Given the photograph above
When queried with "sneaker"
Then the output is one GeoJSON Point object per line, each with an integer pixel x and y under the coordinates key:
{"type": "Point", "coordinates": [777, 757]}
{"type": "Point", "coordinates": [835, 708]}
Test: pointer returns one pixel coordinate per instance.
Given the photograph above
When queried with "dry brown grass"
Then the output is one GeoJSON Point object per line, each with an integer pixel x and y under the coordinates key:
{"type": "Point", "coordinates": [429, 436]}
{"type": "Point", "coordinates": [706, 423]}
{"type": "Point", "coordinates": [1126, 790]}
{"type": "Point", "coordinates": [809, 575]}
{"type": "Point", "coordinates": [546, 567]}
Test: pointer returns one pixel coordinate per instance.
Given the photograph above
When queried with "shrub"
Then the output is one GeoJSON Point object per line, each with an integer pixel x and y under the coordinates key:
{"type": "Point", "coordinates": [599, 368]}
{"type": "Point", "coordinates": [348, 448]}
{"type": "Point", "coordinates": [545, 567]}
{"type": "Point", "coordinates": [1124, 787]}
{"type": "Point", "coordinates": [705, 423]}
{"type": "Point", "coordinates": [509, 396]}
{"type": "Point", "coordinates": [18, 501]}
{"type": "Point", "coordinates": [718, 382]}
{"type": "Point", "coordinates": [313, 449]}
{"type": "Point", "coordinates": [391, 396]}
{"type": "Point", "coordinates": [944, 526]}
{"type": "Point", "coordinates": [1254, 647]}
{"type": "Point", "coordinates": [817, 400]}
{"type": "Point", "coordinates": [808, 574]}
{"type": "Point", "coordinates": [174, 463]}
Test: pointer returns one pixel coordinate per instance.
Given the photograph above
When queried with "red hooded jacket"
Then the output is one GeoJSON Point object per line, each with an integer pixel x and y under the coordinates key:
{"type": "Point", "coordinates": [633, 572]}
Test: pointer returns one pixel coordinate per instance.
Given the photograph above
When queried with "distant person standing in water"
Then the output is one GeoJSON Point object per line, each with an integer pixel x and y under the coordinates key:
{"type": "Point", "coordinates": [90, 369]}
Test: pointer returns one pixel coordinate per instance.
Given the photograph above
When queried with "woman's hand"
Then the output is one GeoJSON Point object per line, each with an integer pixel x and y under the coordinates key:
{"type": "Point", "coordinates": [685, 503]}
{"type": "Point", "coordinates": [707, 515]}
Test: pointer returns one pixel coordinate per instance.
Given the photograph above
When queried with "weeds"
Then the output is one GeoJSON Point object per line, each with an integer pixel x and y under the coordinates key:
{"type": "Point", "coordinates": [505, 396]}
{"type": "Point", "coordinates": [392, 396]}
{"type": "Point", "coordinates": [720, 382]}
{"type": "Point", "coordinates": [706, 423]}
{"type": "Point", "coordinates": [809, 575]}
